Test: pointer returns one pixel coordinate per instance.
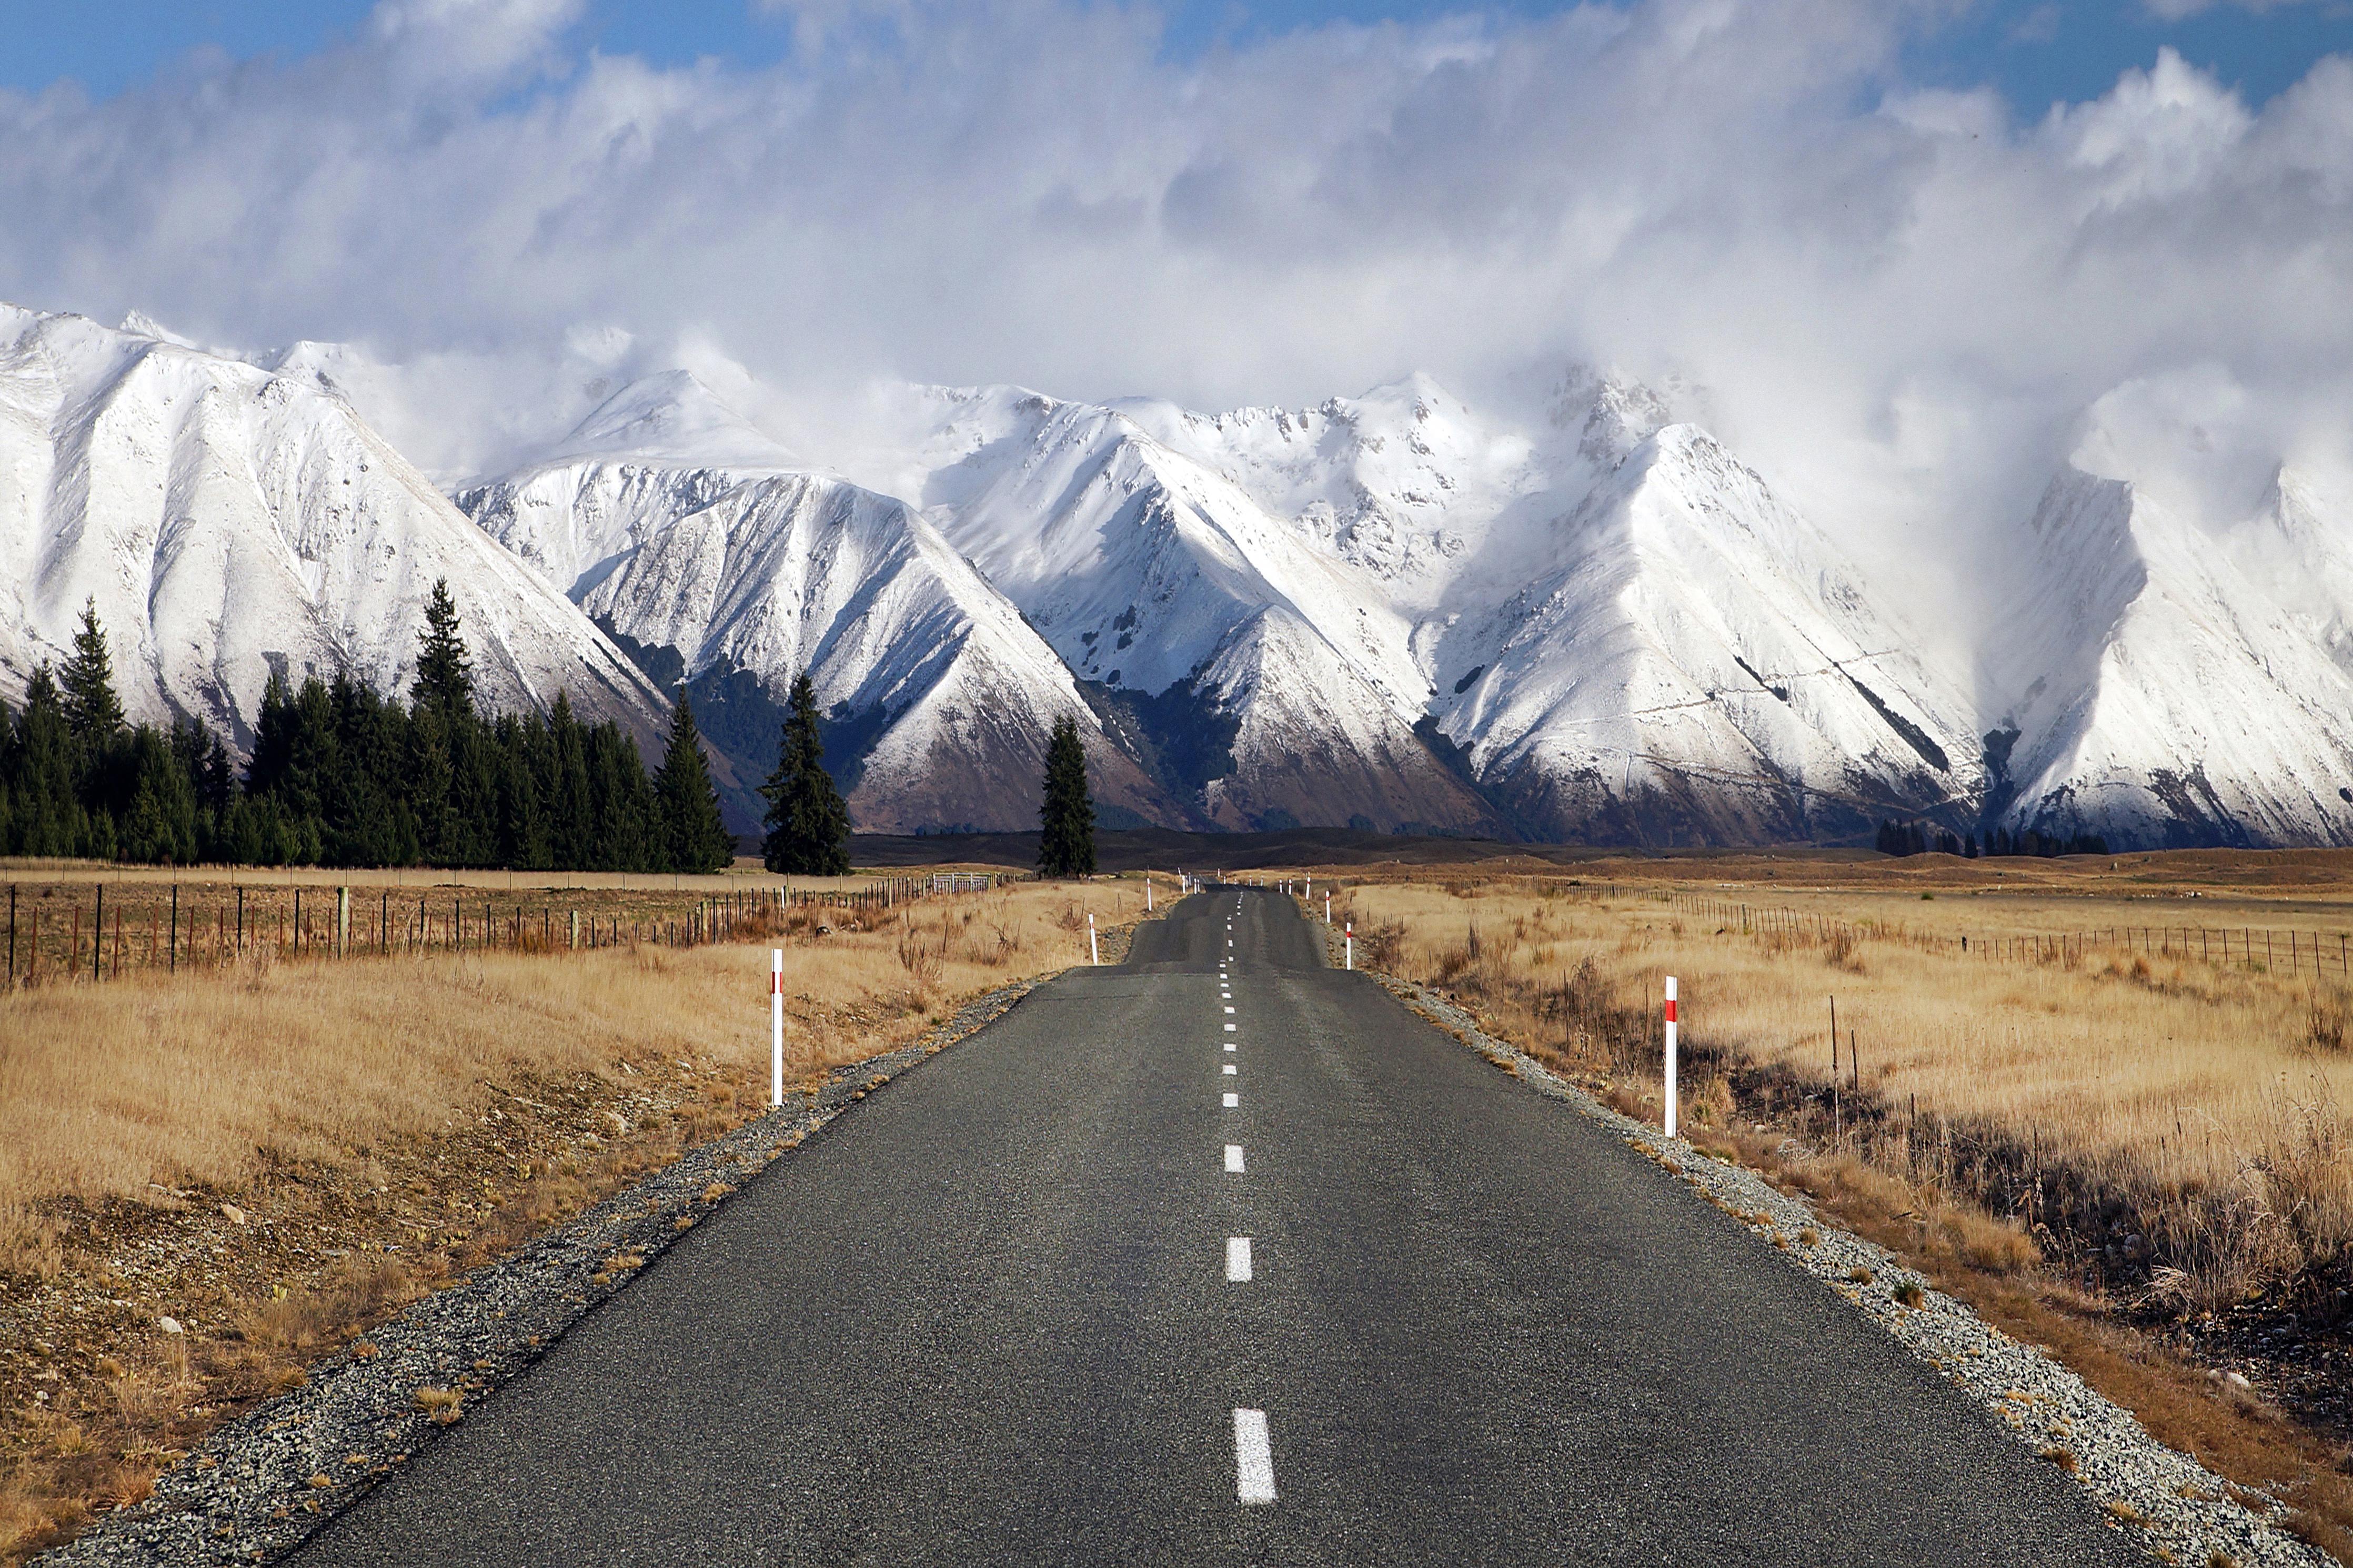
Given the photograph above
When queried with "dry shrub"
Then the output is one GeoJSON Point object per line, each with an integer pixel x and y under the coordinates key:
{"type": "Point", "coordinates": [2326, 1031]}
{"type": "Point", "coordinates": [1381, 942]}
{"type": "Point", "coordinates": [1709, 1103]}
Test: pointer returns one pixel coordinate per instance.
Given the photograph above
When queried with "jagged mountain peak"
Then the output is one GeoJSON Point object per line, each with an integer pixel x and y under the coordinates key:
{"type": "Point", "coordinates": [1608, 414]}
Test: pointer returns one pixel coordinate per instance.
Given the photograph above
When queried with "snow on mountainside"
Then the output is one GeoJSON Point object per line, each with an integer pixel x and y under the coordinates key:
{"type": "Point", "coordinates": [684, 531]}
{"type": "Point", "coordinates": [2153, 691]}
{"type": "Point", "coordinates": [1165, 584]}
{"type": "Point", "coordinates": [1697, 664]}
{"type": "Point", "coordinates": [1391, 610]}
{"type": "Point", "coordinates": [229, 522]}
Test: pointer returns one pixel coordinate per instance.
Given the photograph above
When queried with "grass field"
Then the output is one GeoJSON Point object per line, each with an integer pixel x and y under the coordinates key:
{"type": "Point", "coordinates": [2196, 1103]}
{"type": "Point", "coordinates": [275, 1153]}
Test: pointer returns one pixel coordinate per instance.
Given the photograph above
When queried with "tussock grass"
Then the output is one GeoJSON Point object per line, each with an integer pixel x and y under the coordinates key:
{"type": "Point", "coordinates": [2198, 1105]}
{"type": "Point", "coordinates": [178, 1081]}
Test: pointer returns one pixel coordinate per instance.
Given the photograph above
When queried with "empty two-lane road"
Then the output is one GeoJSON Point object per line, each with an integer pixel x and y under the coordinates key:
{"type": "Point", "coordinates": [1220, 1256]}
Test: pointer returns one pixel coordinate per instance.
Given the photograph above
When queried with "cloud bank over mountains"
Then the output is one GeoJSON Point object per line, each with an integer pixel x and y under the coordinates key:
{"type": "Point", "coordinates": [1904, 305]}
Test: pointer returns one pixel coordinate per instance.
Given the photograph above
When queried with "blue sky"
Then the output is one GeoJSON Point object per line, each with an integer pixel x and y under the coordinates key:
{"type": "Point", "coordinates": [2036, 51]}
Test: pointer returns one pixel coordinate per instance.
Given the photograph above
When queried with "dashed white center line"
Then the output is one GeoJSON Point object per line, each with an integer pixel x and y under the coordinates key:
{"type": "Point", "coordinates": [1230, 1009]}
{"type": "Point", "coordinates": [1234, 1157]}
{"type": "Point", "coordinates": [1231, 1027]}
{"type": "Point", "coordinates": [1228, 1069]}
{"type": "Point", "coordinates": [1230, 1045]}
{"type": "Point", "coordinates": [1232, 1101]}
{"type": "Point", "coordinates": [1238, 1259]}
{"type": "Point", "coordinates": [1253, 1458]}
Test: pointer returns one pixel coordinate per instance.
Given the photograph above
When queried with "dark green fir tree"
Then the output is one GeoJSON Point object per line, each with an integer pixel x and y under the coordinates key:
{"type": "Point", "coordinates": [93, 712]}
{"type": "Point", "coordinates": [686, 801]}
{"type": "Point", "coordinates": [1066, 842]}
{"type": "Point", "coordinates": [808, 826]}
{"type": "Point", "coordinates": [445, 676]}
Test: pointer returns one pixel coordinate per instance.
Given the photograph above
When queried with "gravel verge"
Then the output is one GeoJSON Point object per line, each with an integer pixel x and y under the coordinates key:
{"type": "Point", "coordinates": [263, 1483]}
{"type": "Point", "coordinates": [2179, 1511]}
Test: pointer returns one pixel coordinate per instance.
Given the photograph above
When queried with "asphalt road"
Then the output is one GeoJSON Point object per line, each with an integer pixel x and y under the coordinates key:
{"type": "Point", "coordinates": [987, 1317]}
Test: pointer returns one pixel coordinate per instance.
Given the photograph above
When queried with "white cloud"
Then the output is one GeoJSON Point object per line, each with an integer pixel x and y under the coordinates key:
{"type": "Point", "coordinates": [1903, 303]}
{"type": "Point", "coordinates": [2175, 10]}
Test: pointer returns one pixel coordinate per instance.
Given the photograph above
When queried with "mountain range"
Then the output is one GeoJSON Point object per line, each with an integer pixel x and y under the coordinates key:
{"type": "Point", "coordinates": [1389, 612]}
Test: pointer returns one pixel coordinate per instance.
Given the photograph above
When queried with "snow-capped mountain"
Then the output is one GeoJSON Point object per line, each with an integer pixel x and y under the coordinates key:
{"type": "Point", "coordinates": [705, 547]}
{"type": "Point", "coordinates": [229, 522]}
{"type": "Point", "coordinates": [1412, 616]}
{"type": "Point", "coordinates": [2154, 690]}
{"type": "Point", "coordinates": [1392, 611]}
{"type": "Point", "coordinates": [1697, 664]}
{"type": "Point", "coordinates": [1168, 588]}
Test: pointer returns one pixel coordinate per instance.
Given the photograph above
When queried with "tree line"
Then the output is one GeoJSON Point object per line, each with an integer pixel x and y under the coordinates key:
{"type": "Point", "coordinates": [1918, 839]}
{"type": "Point", "coordinates": [342, 776]}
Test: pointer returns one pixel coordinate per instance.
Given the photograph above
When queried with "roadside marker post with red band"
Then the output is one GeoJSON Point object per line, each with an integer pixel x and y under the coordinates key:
{"type": "Point", "coordinates": [1352, 944]}
{"type": "Point", "coordinates": [776, 1020]}
{"type": "Point", "coordinates": [1671, 1056]}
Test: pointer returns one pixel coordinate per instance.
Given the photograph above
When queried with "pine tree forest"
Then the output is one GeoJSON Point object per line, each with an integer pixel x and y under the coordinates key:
{"type": "Point", "coordinates": [342, 776]}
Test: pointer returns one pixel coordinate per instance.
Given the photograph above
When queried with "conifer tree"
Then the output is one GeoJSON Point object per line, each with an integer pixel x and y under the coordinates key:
{"type": "Point", "coordinates": [686, 801]}
{"type": "Point", "coordinates": [807, 825]}
{"type": "Point", "coordinates": [93, 712]}
{"type": "Point", "coordinates": [1066, 842]}
{"type": "Point", "coordinates": [445, 674]}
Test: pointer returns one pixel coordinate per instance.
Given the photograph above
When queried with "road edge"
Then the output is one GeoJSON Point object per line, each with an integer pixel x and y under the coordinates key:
{"type": "Point", "coordinates": [2175, 1509]}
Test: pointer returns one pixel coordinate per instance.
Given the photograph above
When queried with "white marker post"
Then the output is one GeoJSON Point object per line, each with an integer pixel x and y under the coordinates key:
{"type": "Point", "coordinates": [1327, 906]}
{"type": "Point", "coordinates": [1351, 937]}
{"type": "Point", "coordinates": [1094, 955]}
{"type": "Point", "coordinates": [776, 1027]}
{"type": "Point", "coordinates": [1671, 1056]}
{"type": "Point", "coordinates": [1147, 892]}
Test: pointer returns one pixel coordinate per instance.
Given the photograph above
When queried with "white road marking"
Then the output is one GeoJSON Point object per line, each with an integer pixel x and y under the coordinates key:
{"type": "Point", "coordinates": [1230, 1009]}
{"type": "Point", "coordinates": [1231, 1027]}
{"type": "Point", "coordinates": [1234, 1157]}
{"type": "Point", "coordinates": [1230, 1045]}
{"type": "Point", "coordinates": [1233, 1100]}
{"type": "Point", "coordinates": [1238, 1259]}
{"type": "Point", "coordinates": [1253, 1458]}
{"type": "Point", "coordinates": [1229, 1069]}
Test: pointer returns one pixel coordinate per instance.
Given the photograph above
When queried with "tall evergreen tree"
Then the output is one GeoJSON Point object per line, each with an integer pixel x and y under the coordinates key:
{"type": "Point", "coordinates": [93, 712]}
{"type": "Point", "coordinates": [687, 802]}
{"type": "Point", "coordinates": [1066, 843]}
{"type": "Point", "coordinates": [808, 826]}
{"type": "Point", "coordinates": [445, 674]}
{"type": "Point", "coordinates": [45, 816]}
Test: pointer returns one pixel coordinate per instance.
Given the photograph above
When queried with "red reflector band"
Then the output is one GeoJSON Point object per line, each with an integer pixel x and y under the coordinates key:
{"type": "Point", "coordinates": [1671, 1010]}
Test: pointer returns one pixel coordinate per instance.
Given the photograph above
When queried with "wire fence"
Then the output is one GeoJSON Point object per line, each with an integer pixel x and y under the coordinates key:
{"type": "Point", "coordinates": [101, 931]}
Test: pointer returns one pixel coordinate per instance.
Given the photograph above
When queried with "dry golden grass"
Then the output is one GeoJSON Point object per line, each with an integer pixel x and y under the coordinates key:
{"type": "Point", "coordinates": [2212, 1098]}
{"type": "Point", "coordinates": [176, 1081]}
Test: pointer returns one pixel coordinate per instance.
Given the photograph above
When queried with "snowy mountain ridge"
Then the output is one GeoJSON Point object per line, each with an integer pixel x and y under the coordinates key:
{"type": "Point", "coordinates": [1390, 611]}
{"type": "Point", "coordinates": [230, 523]}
